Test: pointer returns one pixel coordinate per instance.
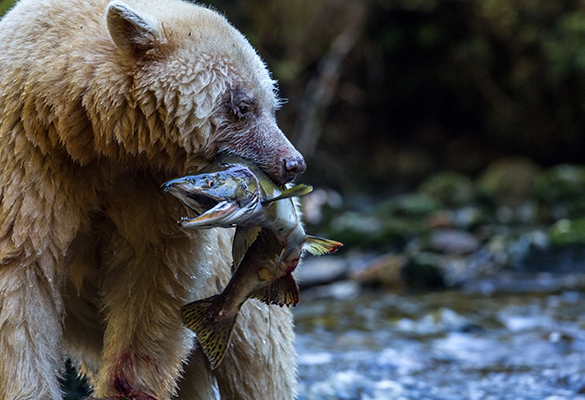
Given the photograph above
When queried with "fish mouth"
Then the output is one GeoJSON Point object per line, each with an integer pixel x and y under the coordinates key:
{"type": "Point", "coordinates": [192, 196]}
{"type": "Point", "coordinates": [201, 202]}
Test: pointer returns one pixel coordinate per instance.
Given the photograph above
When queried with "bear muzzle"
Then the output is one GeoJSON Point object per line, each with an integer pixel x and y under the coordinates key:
{"type": "Point", "coordinates": [291, 167]}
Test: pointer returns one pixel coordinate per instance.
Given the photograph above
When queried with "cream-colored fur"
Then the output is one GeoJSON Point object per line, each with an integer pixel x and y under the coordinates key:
{"type": "Point", "coordinates": [99, 104]}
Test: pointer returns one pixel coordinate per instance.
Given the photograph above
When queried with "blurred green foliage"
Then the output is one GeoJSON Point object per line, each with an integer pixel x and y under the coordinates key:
{"type": "Point", "coordinates": [5, 5]}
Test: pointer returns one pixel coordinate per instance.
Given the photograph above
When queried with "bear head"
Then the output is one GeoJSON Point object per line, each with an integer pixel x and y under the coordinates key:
{"type": "Point", "coordinates": [195, 82]}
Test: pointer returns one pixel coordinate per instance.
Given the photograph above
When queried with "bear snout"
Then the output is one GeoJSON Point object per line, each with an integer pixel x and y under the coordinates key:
{"type": "Point", "coordinates": [293, 166]}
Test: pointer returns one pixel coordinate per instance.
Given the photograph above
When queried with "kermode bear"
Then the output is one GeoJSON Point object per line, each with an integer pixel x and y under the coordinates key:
{"type": "Point", "coordinates": [100, 103]}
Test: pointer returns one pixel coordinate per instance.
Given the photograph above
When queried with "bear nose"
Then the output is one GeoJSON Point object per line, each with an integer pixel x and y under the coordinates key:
{"type": "Point", "coordinates": [294, 166]}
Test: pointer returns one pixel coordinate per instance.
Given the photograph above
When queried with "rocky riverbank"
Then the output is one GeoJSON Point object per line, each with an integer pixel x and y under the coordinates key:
{"type": "Point", "coordinates": [514, 228]}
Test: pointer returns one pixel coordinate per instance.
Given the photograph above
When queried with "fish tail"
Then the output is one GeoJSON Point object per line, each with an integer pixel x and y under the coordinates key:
{"type": "Point", "coordinates": [318, 246]}
{"type": "Point", "coordinates": [213, 330]}
{"type": "Point", "coordinates": [283, 292]}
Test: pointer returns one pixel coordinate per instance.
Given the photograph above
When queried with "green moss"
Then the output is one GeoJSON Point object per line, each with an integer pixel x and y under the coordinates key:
{"type": "Point", "coordinates": [563, 183]}
{"type": "Point", "coordinates": [561, 191]}
{"type": "Point", "coordinates": [409, 205]}
{"type": "Point", "coordinates": [451, 188]}
{"type": "Point", "coordinates": [568, 233]}
{"type": "Point", "coordinates": [508, 182]}
{"type": "Point", "coordinates": [355, 229]}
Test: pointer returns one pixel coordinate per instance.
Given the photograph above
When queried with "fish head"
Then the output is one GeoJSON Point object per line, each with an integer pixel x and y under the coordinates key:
{"type": "Point", "coordinates": [219, 198]}
{"type": "Point", "coordinates": [199, 192]}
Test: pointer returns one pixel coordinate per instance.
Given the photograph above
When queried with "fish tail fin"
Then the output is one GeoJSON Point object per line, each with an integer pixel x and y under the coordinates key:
{"type": "Point", "coordinates": [318, 246]}
{"type": "Point", "coordinates": [213, 330]}
{"type": "Point", "coordinates": [295, 191]}
{"type": "Point", "coordinates": [282, 291]}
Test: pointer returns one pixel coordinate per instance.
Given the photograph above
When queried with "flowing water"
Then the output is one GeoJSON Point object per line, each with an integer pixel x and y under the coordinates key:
{"type": "Point", "coordinates": [443, 345]}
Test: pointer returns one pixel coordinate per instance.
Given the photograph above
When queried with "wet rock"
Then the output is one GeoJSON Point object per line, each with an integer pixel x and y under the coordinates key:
{"type": "Point", "coordinates": [531, 251]}
{"type": "Point", "coordinates": [385, 271]}
{"type": "Point", "coordinates": [429, 269]}
{"type": "Point", "coordinates": [342, 290]}
{"type": "Point", "coordinates": [451, 188]}
{"type": "Point", "coordinates": [398, 231]}
{"type": "Point", "coordinates": [380, 231]}
{"type": "Point", "coordinates": [525, 213]}
{"type": "Point", "coordinates": [457, 270]}
{"type": "Point", "coordinates": [453, 241]}
{"type": "Point", "coordinates": [561, 190]}
{"type": "Point", "coordinates": [466, 218]}
{"type": "Point", "coordinates": [424, 271]}
{"type": "Point", "coordinates": [498, 248]}
{"type": "Point", "coordinates": [469, 217]}
{"type": "Point", "coordinates": [441, 219]}
{"type": "Point", "coordinates": [508, 182]}
{"type": "Point", "coordinates": [319, 271]}
{"type": "Point", "coordinates": [560, 249]}
{"type": "Point", "coordinates": [355, 229]}
{"type": "Point", "coordinates": [444, 241]}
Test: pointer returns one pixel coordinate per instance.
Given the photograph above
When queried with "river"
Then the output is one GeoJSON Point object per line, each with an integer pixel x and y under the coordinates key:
{"type": "Point", "coordinates": [442, 345]}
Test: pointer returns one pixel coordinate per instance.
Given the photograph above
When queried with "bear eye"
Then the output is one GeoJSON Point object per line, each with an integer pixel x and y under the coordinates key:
{"type": "Point", "coordinates": [241, 103]}
{"type": "Point", "coordinates": [242, 110]}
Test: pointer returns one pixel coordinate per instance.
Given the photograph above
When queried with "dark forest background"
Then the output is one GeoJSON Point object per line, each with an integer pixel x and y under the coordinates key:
{"type": "Point", "coordinates": [382, 93]}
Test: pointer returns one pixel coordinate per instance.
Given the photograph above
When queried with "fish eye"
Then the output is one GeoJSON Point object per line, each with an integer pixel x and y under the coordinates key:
{"type": "Point", "coordinates": [210, 183]}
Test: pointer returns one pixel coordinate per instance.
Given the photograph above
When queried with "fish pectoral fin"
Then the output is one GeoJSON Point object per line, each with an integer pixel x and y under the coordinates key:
{"type": "Point", "coordinates": [212, 330]}
{"type": "Point", "coordinates": [295, 191]}
{"type": "Point", "coordinates": [282, 291]}
{"type": "Point", "coordinates": [318, 246]}
{"type": "Point", "coordinates": [243, 239]}
{"type": "Point", "coordinates": [212, 217]}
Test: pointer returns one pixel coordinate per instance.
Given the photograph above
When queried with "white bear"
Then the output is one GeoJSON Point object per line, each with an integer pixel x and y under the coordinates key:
{"type": "Point", "coordinates": [101, 102]}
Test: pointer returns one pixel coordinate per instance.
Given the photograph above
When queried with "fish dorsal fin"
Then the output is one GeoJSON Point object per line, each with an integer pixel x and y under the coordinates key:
{"type": "Point", "coordinates": [295, 191]}
{"type": "Point", "coordinates": [318, 246]}
{"type": "Point", "coordinates": [213, 331]}
{"type": "Point", "coordinates": [211, 218]}
{"type": "Point", "coordinates": [282, 291]}
{"type": "Point", "coordinates": [243, 239]}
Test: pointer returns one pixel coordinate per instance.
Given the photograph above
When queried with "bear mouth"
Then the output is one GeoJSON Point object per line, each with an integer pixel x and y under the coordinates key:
{"type": "Point", "coordinates": [201, 202]}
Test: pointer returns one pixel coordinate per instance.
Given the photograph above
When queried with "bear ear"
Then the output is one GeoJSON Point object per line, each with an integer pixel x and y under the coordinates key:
{"type": "Point", "coordinates": [132, 32]}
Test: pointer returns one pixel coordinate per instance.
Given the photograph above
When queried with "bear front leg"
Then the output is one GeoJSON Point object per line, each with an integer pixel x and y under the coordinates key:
{"type": "Point", "coordinates": [30, 329]}
{"type": "Point", "coordinates": [145, 343]}
{"type": "Point", "coordinates": [37, 224]}
{"type": "Point", "coordinates": [261, 360]}
{"type": "Point", "coordinates": [146, 269]}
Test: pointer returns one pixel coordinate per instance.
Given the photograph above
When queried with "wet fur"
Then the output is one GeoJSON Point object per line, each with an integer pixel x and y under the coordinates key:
{"type": "Point", "coordinates": [92, 264]}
